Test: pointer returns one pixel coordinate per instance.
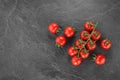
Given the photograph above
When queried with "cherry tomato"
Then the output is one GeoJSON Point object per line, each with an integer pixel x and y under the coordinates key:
{"type": "Point", "coordinates": [84, 53]}
{"type": "Point", "coordinates": [69, 32]}
{"type": "Point", "coordinates": [84, 35]}
{"type": "Point", "coordinates": [72, 51]}
{"type": "Point", "coordinates": [96, 35]}
{"type": "Point", "coordinates": [89, 25]}
{"type": "Point", "coordinates": [60, 41]}
{"type": "Point", "coordinates": [79, 43]}
{"type": "Point", "coordinates": [91, 45]}
{"type": "Point", "coordinates": [106, 44]}
{"type": "Point", "coordinates": [100, 59]}
{"type": "Point", "coordinates": [53, 28]}
{"type": "Point", "coordinates": [76, 61]}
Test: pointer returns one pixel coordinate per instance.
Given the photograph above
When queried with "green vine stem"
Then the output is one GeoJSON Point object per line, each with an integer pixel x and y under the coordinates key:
{"type": "Point", "coordinates": [88, 38]}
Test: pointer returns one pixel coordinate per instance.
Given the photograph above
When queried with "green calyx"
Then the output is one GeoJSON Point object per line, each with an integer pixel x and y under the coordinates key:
{"type": "Point", "coordinates": [58, 30]}
{"type": "Point", "coordinates": [85, 51]}
{"type": "Point", "coordinates": [75, 48]}
{"type": "Point", "coordinates": [96, 34]}
{"type": "Point", "coordinates": [80, 41]}
{"type": "Point", "coordinates": [94, 57]}
{"type": "Point", "coordinates": [85, 34]}
{"type": "Point", "coordinates": [90, 24]}
{"type": "Point", "coordinates": [58, 45]}
{"type": "Point", "coordinates": [107, 41]}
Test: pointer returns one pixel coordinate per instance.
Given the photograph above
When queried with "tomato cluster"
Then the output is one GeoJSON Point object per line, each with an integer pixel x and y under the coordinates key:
{"type": "Point", "coordinates": [84, 44]}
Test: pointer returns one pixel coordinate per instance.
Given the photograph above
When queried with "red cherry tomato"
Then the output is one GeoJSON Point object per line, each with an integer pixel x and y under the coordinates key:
{"type": "Point", "coordinates": [91, 45]}
{"type": "Point", "coordinates": [96, 35]}
{"type": "Point", "coordinates": [69, 32]}
{"type": "Point", "coordinates": [53, 28]}
{"type": "Point", "coordinates": [84, 35]}
{"type": "Point", "coordinates": [76, 61]}
{"type": "Point", "coordinates": [89, 25]}
{"type": "Point", "coordinates": [60, 41]}
{"type": "Point", "coordinates": [72, 51]}
{"type": "Point", "coordinates": [79, 43]}
{"type": "Point", "coordinates": [106, 44]}
{"type": "Point", "coordinates": [84, 53]}
{"type": "Point", "coordinates": [100, 59]}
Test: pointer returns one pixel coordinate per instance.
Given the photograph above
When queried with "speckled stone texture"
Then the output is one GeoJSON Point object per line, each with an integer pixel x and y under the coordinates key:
{"type": "Point", "coordinates": [27, 50]}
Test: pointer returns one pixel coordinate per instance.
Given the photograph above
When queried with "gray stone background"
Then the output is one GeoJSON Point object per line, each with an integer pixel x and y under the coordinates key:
{"type": "Point", "coordinates": [27, 50]}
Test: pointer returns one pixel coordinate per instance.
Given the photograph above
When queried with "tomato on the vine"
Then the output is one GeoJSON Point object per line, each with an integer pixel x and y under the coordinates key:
{"type": "Point", "coordinates": [100, 59]}
{"type": "Point", "coordinates": [89, 25]}
{"type": "Point", "coordinates": [84, 53]}
{"type": "Point", "coordinates": [69, 31]}
{"type": "Point", "coordinates": [96, 35]}
{"type": "Point", "coordinates": [72, 51]}
{"type": "Point", "coordinates": [91, 45]}
{"type": "Point", "coordinates": [79, 43]}
{"type": "Point", "coordinates": [53, 28]}
{"type": "Point", "coordinates": [60, 41]}
{"type": "Point", "coordinates": [84, 35]}
{"type": "Point", "coordinates": [76, 61]}
{"type": "Point", "coordinates": [106, 44]}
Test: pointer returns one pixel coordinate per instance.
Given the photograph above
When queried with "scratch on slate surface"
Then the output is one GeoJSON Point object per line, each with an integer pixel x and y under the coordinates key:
{"type": "Point", "coordinates": [9, 14]}
{"type": "Point", "coordinates": [58, 69]}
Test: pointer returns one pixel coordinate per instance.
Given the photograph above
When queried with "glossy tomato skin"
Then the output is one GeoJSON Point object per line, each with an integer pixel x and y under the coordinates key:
{"type": "Point", "coordinates": [84, 54]}
{"type": "Point", "coordinates": [100, 59]}
{"type": "Point", "coordinates": [84, 35]}
{"type": "Point", "coordinates": [96, 35]}
{"type": "Point", "coordinates": [79, 43]}
{"type": "Point", "coordinates": [106, 44]}
{"type": "Point", "coordinates": [91, 45]}
{"type": "Point", "coordinates": [72, 51]}
{"type": "Point", "coordinates": [60, 40]}
{"type": "Point", "coordinates": [89, 25]}
{"type": "Point", "coordinates": [69, 32]}
{"type": "Point", "coordinates": [76, 61]}
{"type": "Point", "coordinates": [53, 27]}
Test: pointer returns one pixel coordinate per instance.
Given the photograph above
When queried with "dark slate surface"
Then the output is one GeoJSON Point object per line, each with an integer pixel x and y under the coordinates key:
{"type": "Point", "coordinates": [27, 50]}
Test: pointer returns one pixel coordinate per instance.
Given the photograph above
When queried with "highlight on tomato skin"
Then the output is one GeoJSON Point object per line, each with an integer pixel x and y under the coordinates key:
{"type": "Point", "coordinates": [89, 25]}
{"type": "Point", "coordinates": [72, 51]}
{"type": "Point", "coordinates": [91, 45]}
{"type": "Point", "coordinates": [84, 35]}
{"type": "Point", "coordinates": [100, 59]}
{"type": "Point", "coordinates": [60, 41]}
{"type": "Point", "coordinates": [84, 53]}
{"type": "Point", "coordinates": [106, 44]}
{"type": "Point", "coordinates": [53, 28]}
{"type": "Point", "coordinates": [96, 35]}
{"type": "Point", "coordinates": [69, 31]}
{"type": "Point", "coordinates": [76, 61]}
{"type": "Point", "coordinates": [79, 43]}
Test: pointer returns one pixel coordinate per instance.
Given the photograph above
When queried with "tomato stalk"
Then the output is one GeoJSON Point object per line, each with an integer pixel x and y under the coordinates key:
{"type": "Point", "coordinates": [88, 38]}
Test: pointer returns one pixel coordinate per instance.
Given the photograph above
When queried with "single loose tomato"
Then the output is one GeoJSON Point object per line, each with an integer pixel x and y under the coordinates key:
{"type": "Point", "coordinates": [91, 45]}
{"type": "Point", "coordinates": [53, 28]}
{"type": "Point", "coordinates": [72, 51]}
{"type": "Point", "coordinates": [96, 35]}
{"type": "Point", "coordinates": [84, 53]}
{"type": "Point", "coordinates": [69, 31]}
{"type": "Point", "coordinates": [84, 35]}
{"type": "Point", "coordinates": [106, 44]}
{"type": "Point", "coordinates": [89, 25]}
{"type": "Point", "coordinates": [100, 59]}
{"type": "Point", "coordinates": [79, 43]}
{"type": "Point", "coordinates": [60, 41]}
{"type": "Point", "coordinates": [76, 61]}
